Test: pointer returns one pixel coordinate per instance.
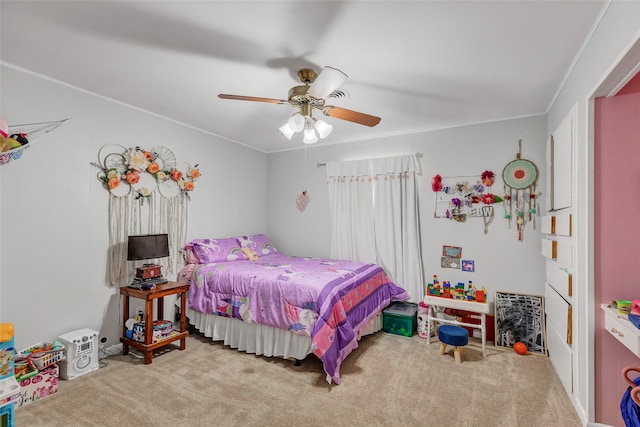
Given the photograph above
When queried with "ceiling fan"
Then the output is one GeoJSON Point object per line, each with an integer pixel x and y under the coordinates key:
{"type": "Point", "coordinates": [312, 95]}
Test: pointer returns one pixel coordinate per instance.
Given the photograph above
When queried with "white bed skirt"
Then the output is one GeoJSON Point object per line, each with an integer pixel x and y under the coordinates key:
{"type": "Point", "coordinates": [259, 339]}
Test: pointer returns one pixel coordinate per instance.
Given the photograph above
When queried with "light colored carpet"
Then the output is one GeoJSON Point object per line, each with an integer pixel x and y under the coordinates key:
{"type": "Point", "coordinates": [388, 381]}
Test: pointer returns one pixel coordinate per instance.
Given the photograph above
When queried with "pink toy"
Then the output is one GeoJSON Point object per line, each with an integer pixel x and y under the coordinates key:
{"type": "Point", "coordinates": [635, 306]}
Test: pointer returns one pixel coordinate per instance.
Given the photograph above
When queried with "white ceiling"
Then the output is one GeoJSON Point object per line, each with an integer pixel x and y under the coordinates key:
{"type": "Point", "coordinates": [420, 65]}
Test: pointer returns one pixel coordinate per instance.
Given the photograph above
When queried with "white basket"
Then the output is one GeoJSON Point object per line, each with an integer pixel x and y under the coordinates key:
{"type": "Point", "coordinates": [41, 358]}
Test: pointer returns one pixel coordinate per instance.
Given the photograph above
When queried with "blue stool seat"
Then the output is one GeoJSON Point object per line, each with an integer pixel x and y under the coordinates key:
{"type": "Point", "coordinates": [455, 336]}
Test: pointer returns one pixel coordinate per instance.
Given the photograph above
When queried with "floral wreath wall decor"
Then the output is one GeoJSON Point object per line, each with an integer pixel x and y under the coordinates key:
{"type": "Point", "coordinates": [458, 198]}
{"type": "Point", "coordinates": [135, 177]}
{"type": "Point", "coordinates": [143, 171]}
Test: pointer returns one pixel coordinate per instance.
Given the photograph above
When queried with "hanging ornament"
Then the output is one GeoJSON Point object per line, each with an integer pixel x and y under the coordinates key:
{"type": "Point", "coordinates": [506, 204]}
{"type": "Point", "coordinates": [302, 201]}
{"type": "Point", "coordinates": [519, 178]}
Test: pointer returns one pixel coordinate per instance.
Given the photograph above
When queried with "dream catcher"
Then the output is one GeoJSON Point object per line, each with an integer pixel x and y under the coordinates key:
{"type": "Point", "coordinates": [520, 199]}
{"type": "Point", "coordinates": [137, 178]}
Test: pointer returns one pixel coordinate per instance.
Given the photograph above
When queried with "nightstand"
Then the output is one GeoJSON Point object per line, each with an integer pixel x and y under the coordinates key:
{"type": "Point", "coordinates": [157, 294]}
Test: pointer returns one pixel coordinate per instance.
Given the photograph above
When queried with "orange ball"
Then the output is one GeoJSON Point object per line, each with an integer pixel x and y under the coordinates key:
{"type": "Point", "coordinates": [520, 348]}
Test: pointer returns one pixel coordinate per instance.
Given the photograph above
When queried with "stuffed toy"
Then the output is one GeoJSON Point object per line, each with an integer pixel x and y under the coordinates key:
{"type": "Point", "coordinates": [4, 133]}
{"type": "Point", "coordinates": [251, 255]}
{"type": "Point", "coordinates": [20, 138]}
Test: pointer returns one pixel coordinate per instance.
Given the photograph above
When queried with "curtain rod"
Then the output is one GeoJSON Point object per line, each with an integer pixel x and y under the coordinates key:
{"type": "Point", "coordinates": [418, 155]}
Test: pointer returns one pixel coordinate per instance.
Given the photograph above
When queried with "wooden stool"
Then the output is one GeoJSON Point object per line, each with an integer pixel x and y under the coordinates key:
{"type": "Point", "coordinates": [455, 336]}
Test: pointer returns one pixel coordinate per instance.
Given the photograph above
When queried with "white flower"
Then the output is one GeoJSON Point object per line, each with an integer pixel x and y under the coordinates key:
{"type": "Point", "coordinates": [138, 160]}
{"type": "Point", "coordinates": [144, 192]}
{"type": "Point", "coordinates": [161, 176]}
{"type": "Point", "coordinates": [113, 173]}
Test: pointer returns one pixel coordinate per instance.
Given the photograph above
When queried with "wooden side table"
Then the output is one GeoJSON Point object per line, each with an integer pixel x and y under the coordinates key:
{"type": "Point", "coordinates": [158, 294]}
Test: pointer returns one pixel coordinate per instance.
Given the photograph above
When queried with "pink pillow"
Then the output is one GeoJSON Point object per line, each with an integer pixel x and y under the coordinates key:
{"type": "Point", "coordinates": [217, 250]}
{"type": "Point", "coordinates": [189, 255]}
{"type": "Point", "coordinates": [259, 243]}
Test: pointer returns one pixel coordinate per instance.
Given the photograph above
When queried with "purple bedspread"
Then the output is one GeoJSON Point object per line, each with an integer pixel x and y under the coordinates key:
{"type": "Point", "coordinates": [331, 301]}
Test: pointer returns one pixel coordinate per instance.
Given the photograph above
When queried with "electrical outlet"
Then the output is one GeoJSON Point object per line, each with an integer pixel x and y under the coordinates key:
{"type": "Point", "coordinates": [103, 340]}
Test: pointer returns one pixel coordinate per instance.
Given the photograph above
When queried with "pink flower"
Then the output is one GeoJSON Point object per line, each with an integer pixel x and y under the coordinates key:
{"type": "Point", "coordinates": [113, 183]}
{"type": "Point", "coordinates": [436, 183]}
{"type": "Point", "coordinates": [132, 177]}
{"type": "Point", "coordinates": [487, 178]}
{"type": "Point", "coordinates": [176, 175]}
{"type": "Point", "coordinates": [153, 167]}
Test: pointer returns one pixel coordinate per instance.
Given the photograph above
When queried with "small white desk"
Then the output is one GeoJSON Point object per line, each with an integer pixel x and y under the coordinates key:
{"type": "Point", "coordinates": [475, 307]}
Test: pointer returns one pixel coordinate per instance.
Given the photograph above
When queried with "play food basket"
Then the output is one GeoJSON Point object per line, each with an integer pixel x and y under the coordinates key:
{"type": "Point", "coordinates": [23, 368]}
{"type": "Point", "coordinates": [44, 354]}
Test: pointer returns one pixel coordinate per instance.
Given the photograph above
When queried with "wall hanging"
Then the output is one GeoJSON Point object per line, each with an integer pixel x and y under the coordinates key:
{"type": "Point", "coordinates": [15, 139]}
{"type": "Point", "coordinates": [461, 197]}
{"type": "Point", "coordinates": [302, 200]}
{"type": "Point", "coordinates": [520, 196]}
{"type": "Point", "coordinates": [150, 182]}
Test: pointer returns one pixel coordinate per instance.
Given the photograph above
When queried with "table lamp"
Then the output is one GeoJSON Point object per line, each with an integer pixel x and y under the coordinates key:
{"type": "Point", "coordinates": [146, 247]}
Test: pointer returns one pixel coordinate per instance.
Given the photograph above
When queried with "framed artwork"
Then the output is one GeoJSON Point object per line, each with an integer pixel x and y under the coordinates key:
{"type": "Point", "coordinates": [452, 251]}
{"type": "Point", "coordinates": [450, 262]}
{"type": "Point", "coordinates": [520, 317]}
{"type": "Point", "coordinates": [468, 265]}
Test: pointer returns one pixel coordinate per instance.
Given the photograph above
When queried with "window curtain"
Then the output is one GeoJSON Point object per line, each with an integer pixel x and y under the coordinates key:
{"type": "Point", "coordinates": [375, 216]}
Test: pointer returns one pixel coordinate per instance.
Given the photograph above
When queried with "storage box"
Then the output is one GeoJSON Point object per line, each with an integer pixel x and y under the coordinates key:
{"type": "Point", "coordinates": [161, 328]}
{"type": "Point", "coordinates": [40, 386]}
{"type": "Point", "coordinates": [400, 318]}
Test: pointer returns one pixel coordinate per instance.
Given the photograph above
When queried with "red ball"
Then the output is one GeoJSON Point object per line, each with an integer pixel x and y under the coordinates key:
{"type": "Point", "coordinates": [520, 348]}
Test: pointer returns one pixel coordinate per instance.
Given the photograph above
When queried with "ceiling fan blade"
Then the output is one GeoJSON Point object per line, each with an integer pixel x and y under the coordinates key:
{"type": "Point", "coordinates": [252, 98]}
{"type": "Point", "coordinates": [327, 81]}
{"type": "Point", "coordinates": [351, 116]}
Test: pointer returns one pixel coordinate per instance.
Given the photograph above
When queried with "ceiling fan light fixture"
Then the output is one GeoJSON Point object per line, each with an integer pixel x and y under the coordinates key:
{"type": "Point", "coordinates": [323, 128]}
{"type": "Point", "coordinates": [310, 136]}
{"type": "Point", "coordinates": [287, 131]}
{"type": "Point", "coordinates": [327, 81]}
{"type": "Point", "coordinates": [309, 96]}
{"type": "Point", "coordinates": [296, 122]}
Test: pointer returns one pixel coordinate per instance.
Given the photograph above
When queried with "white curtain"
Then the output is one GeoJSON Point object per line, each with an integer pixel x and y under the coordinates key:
{"type": "Point", "coordinates": [351, 207]}
{"type": "Point", "coordinates": [375, 216]}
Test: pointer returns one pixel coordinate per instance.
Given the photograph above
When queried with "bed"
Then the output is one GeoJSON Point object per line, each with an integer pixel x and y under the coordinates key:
{"type": "Point", "coordinates": [247, 294]}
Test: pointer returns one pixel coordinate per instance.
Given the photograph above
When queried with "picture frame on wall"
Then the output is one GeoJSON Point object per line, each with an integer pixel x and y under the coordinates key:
{"type": "Point", "coordinates": [451, 251]}
{"type": "Point", "coordinates": [450, 262]}
{"type": "Point", "coordinates": [520, 318]}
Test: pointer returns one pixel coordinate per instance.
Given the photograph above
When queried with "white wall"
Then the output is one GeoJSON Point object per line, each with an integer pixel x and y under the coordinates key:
{"type": "Point", "coordinates": [618, 29]}
{"type": "Point", "coordinates": [54, 234]}
{"type": "Point", "coordinates": [502, 262]}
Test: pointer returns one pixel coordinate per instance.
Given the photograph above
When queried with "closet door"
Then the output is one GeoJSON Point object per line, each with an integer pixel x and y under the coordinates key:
{"type": "Point", "coordinates": [561, 164]}
{"type": "Point", "coordinates": [558, 240]}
